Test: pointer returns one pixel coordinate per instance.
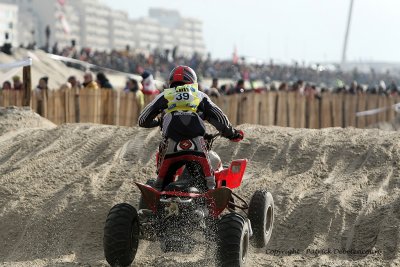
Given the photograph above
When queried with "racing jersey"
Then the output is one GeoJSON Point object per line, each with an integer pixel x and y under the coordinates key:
{"type": "Point", "coordinates": [184, 109]}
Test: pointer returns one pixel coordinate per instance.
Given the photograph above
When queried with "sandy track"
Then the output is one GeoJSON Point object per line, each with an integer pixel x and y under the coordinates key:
{"type": "Point", "coordinates": [334, 190]}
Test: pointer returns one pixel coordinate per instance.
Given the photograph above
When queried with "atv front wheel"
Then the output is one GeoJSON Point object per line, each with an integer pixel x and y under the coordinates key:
{"type": "Point", "coordinates": [233, 240]}
{"type": "Point", "coordinates": [261, 215]}
{"type": "Point", "coordinates": [121, 235]}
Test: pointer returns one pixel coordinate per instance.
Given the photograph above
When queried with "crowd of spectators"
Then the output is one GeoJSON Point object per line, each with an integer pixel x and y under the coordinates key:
{"type": "Point", "coordinates": [293, 77]}
{"type": "Point", "coordinates": [16, 84]}
{"type": "Point", "coordinates": [273, 77]}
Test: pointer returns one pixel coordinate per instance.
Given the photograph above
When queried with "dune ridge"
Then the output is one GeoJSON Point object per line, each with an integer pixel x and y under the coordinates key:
{"type": "Point", "coordinates": [336, 192]}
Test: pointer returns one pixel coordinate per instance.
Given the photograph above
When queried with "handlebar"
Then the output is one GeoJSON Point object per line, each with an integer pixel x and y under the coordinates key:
{"type": "Point", "coordinates": [210, 138]}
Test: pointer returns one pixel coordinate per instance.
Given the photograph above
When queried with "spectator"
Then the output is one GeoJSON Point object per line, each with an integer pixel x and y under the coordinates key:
{"type": "Point", "coordinates": [214, 83]}
{"type": "Point", "coordinates": [41, 92]}
{"type": "Point", "coordinates": [360, 89]}
{"type": "Point", "coordinates": [132, 86]}
{"type": "Point", "coordinates": [226, 88]}
{"type": "Point", "coordinates": [7, 46]}
{"type": "Point", "coordinates": [372, 89]}
{"type": "Point", "coordinates": [74, 82]}
{"type": "Point", "coordinates": [299, 87]}
{"type": "Point", "coordinates": [340, 86]}
{"type": "Point", "coordinates": [103, 82]}
{"type": "Point", "coordinates": [274, 87]}
{"type": "Point", "coordinates": [310, 91]}
{"type": "Point", "coordinates": [6, 85]}
{"type": "Point", "coordinates": [88, 82]}
{"type": "Point", "coordinates": [353, 88]}
{"type": "Point", "coordinates": [149, 86]}
{"type": "Point", "coordinates": [283, 87]}
{"type": "Point", "coordinates": [213, 91]}
{"type": "Point", "coordinates": [17, 83]}
{"type": "Point", "coordinates": [239, 88]}
{"type": "Point", "coordinates": [43, 83]}
{"type": "Point", "coordinates": [393, 90]}
{"type": "Point", "coordinates": [55, 48]}
{"type": "Point", "coordinates": [382, 88]}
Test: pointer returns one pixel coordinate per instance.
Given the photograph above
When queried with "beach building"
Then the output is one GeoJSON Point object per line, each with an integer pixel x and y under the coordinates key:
{"type": "Point", "coordinates": [90, 23]}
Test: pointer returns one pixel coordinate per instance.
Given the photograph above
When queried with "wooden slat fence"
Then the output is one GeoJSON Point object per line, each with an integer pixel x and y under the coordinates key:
{"type": "Point", "coordinates": [271, 108]}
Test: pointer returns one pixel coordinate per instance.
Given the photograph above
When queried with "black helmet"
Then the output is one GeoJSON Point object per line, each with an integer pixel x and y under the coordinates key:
{"type": "Point", "coordinates": [181, 75]}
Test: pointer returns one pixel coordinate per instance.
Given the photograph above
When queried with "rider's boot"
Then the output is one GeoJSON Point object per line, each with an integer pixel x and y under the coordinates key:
{"type": "Point", "coordinates": [158, 185]}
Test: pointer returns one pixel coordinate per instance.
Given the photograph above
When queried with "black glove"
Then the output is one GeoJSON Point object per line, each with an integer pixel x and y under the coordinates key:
{"type": "Point", "coordinates": [236, 135]}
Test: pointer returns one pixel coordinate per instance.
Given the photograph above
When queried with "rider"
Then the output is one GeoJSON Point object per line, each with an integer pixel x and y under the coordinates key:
{"type": "Point", "coordinates": [183, 108]}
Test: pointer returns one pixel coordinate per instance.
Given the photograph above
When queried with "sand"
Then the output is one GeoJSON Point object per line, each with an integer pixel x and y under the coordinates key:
{"type": "Point", "coordinates": [336, 192]}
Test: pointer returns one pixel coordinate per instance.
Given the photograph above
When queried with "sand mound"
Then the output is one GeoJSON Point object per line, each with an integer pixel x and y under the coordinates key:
{"type": "Point", "coordinates": [57, 71]}
{"type": "Point", "coordinates": [20, 119]}
{"type": "Point", "coordinates": [336, 191]}
{"type": "Point", "coordinates": [42, 65]}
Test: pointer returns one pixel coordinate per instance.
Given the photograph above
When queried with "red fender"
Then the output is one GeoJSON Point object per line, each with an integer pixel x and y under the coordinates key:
{"type": "Point", "coordinates": [232, 176]}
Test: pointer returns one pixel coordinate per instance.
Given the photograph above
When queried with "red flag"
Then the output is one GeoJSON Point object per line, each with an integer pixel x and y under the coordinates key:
{"type": "Point", "coordinates": [65, 25]}
{"type": "Point", "coordinates": [235, 56]}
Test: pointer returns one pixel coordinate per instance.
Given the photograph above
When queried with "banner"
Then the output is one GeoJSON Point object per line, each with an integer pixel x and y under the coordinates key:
{"type": "Point", "coordinates": [17, 64]}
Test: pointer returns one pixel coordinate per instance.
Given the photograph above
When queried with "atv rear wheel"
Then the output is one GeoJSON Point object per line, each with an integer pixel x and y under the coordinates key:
{"type": "Point", "coordinates": [261, 215]}
{"type": "Point", "coordinates": [233, 240]}
{"type": "Point", "coordinates": [121, 235]}
{"type": "Point", "coordinates": [142, 202]}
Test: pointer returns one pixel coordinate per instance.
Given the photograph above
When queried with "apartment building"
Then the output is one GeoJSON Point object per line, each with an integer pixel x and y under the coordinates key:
{"type": "Point", "coordinates": [147, 33]}
{"type": "Point", "coordinates": [121, 30]}
{"type": "Point", "coordinates": [8, 24]}
{"type": "Point", "coordinates": [63, 20]}
{"type": "Point", "coordinates": [35, 16]}
{"type": "Point", "coordinates": [92, 24]}
{"type": "Point", "coordinates": [175, 30]}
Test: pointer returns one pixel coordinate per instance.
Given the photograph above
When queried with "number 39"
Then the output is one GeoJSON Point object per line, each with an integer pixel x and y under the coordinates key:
{"type": "Point", "coordinates": [182, 96]}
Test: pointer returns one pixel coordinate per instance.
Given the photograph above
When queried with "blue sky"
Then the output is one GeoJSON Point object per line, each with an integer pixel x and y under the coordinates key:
{"type": "Point", "coordinates": [287, 30]}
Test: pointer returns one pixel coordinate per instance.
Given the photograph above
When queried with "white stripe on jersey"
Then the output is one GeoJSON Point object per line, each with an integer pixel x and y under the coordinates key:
{"type": "Point", "coordinates": [146, 111]}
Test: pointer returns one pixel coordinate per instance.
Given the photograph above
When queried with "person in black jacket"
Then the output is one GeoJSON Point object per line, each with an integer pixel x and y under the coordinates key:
{"type": "Point", "coordinates": [183, 108]}
{"type": "Point", "coordinates": [103, 82]}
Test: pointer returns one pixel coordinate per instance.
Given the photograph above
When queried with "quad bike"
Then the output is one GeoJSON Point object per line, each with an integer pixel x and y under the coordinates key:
{"type": "Point", "coordinates": [186, 209]}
